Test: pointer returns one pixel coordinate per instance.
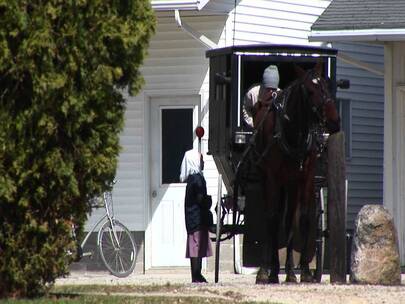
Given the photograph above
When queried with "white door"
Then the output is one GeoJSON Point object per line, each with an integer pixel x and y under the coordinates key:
{"type": "Point", "coordinates": [173, 121]}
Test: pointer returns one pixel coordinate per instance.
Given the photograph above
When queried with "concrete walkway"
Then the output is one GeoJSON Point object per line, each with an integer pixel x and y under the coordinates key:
{"type": "Point", "coordinates": [156, 277]}
{"type": "Point", "coordinates": [235, 288]}
{"type": "Point", "coordinates": [165, 276]}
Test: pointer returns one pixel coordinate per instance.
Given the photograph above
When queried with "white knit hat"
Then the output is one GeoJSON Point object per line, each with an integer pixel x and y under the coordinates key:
{"type": "Point", "coordinates": [271, 77]}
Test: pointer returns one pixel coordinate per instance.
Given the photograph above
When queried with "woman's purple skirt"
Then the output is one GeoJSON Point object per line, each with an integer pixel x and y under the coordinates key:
{"type": "Point", "coordinates": [198, 244]}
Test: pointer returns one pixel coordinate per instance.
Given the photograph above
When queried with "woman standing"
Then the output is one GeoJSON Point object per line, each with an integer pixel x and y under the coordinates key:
{"type": "Point", "coordinates": [197, 213]}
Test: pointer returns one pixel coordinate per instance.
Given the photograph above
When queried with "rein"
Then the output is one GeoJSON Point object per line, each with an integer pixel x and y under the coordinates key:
{"type": "Point", "coordinates": [252, 142]}
{"type": "Point", "coordinates": [276, 107]}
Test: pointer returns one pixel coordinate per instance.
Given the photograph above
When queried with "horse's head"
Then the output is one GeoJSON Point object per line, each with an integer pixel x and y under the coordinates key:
{"type": "Point", "coordinates": [314, 89]}
{"type": "Point", "coordinates": [305, 109]}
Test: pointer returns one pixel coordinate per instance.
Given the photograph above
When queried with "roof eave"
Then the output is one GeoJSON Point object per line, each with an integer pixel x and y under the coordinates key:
{"type": "Point", "coordinates": [358, 35]}
{"type": "Point", "coordinates": [169, 5]}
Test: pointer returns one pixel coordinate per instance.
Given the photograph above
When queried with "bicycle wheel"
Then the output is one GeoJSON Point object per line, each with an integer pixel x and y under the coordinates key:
{"type": "Point", "coordinates": [118, 253]}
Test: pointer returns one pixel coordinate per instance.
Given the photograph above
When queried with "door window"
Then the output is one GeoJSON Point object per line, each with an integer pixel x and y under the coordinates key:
{"type": "Point", "coordinates": [177, 138]}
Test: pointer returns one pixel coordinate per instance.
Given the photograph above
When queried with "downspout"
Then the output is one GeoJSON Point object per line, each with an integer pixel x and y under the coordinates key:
{"type": "Point", "coordinates": [208, 43]}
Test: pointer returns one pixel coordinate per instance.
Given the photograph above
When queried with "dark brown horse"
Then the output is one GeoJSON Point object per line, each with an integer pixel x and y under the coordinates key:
{"type": "Point", "coordinates": [289, 128]}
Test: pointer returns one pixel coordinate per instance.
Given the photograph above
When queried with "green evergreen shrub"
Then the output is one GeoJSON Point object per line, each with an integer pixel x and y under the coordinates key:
{"type": "Point", "coordinates": [64, 66]}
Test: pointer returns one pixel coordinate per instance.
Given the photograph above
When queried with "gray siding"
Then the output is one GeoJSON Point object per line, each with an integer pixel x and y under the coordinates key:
{"type": "Point", "coordinates": [366, 94]}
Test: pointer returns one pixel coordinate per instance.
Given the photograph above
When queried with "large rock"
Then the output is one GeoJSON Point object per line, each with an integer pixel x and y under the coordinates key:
{"type": "Point", "coordinates": [375, 255]}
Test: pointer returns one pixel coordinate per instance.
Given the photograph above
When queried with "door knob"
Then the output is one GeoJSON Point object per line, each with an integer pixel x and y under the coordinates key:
{"type": "Point", "coordinates": [154, 193]}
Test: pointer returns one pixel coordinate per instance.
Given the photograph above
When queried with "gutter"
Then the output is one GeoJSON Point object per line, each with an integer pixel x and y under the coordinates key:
{"type": "Point", "coordinates": [208, 43]}
{"type": "Point", "coordinates": [396, 34]}
{"type": "Point", "coordinates": [168, 5]}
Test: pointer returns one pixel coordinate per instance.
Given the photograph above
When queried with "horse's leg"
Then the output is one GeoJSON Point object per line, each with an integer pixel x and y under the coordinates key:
{"type": "Point", "coordinates": [292, 202]}
{"type": "Point", "coordinates": [273, 192]}
{"type": "Point", "coordinates": [274, 258]}
{"type": "Point", "coordinates": [289, 264]}
{"type": "Point", "coordinates": [262, 276]}
{"type": "Point", "coordinates": [308, 213]}
{"type": "Point", "coordinates": [306, 276]}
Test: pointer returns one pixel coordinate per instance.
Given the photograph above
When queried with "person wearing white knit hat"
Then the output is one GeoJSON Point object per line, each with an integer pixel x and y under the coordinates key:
{"type": "Point", "coordinates": [260, 92]}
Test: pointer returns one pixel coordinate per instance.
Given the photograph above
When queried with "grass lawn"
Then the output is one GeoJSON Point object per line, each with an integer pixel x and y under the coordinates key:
{"type": "Point", "coordinates": [101, 299]}
{"type": "Point", "coordinates": [151, 294]}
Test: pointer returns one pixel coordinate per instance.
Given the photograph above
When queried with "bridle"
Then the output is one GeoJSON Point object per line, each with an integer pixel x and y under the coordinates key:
{"type": "Point", "coordinates": [325, 96]}
{"type": "Point", "coordinates": [279, 106]}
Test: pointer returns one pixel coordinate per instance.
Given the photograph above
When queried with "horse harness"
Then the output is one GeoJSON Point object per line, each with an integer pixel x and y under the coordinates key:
{"type": "Point", "coordinates": [278, 105]}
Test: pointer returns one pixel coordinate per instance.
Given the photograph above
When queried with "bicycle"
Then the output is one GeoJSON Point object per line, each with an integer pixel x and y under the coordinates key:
{"type": "Point", "coordinates": [116, 245]}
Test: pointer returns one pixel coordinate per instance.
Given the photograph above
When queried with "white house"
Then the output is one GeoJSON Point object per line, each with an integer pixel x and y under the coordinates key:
{"type": "Point", "coordinates": [161, 119]}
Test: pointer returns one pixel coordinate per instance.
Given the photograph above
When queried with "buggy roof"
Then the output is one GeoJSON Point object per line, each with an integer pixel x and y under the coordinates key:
{"type": "Point", "coordinates": [273, 49]}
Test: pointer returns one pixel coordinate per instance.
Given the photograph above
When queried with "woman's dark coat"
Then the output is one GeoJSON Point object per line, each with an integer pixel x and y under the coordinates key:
{"type": "Point", "coordinates": [197, 206]}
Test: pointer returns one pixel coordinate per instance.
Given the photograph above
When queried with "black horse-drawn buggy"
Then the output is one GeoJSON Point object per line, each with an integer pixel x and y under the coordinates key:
{"type": "Point", "coordinates": [277, 171]}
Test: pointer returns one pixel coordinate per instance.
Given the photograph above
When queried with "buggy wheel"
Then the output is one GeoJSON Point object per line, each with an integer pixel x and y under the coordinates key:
{"type": "Point", "coordinates": [117, 248]}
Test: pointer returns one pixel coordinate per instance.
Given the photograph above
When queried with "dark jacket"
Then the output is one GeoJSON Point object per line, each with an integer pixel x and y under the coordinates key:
{"type": "Point", "coordinates": [196, 206]}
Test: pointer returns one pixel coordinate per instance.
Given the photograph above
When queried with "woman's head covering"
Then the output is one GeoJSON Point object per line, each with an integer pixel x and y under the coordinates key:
{"type": "Point", "coordinates": [191, 164]}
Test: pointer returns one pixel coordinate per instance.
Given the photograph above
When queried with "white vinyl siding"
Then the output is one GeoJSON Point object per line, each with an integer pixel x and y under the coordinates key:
{"type": "Point", "coordinates": [175, 65]}
{"type": "Point", "coordinates": [278, 21]}
{"type": "Point", "coordinates": [128, 193]}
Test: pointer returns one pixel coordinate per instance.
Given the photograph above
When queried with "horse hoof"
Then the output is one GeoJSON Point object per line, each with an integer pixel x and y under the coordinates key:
{"type": "Point", "coordinates": [262, 281]}
{"type": "Point", "coordinates": [291, 278]}
{"type": "Point", "coordinates": [307, 278]}
{"type": "Point", "coordinates": [273, 279]}
{"type": "Point", "coordinates": [262, 276]}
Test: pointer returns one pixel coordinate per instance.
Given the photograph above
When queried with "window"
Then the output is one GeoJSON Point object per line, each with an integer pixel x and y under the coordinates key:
{"type": "Point", "coordinates": [177, 138]}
